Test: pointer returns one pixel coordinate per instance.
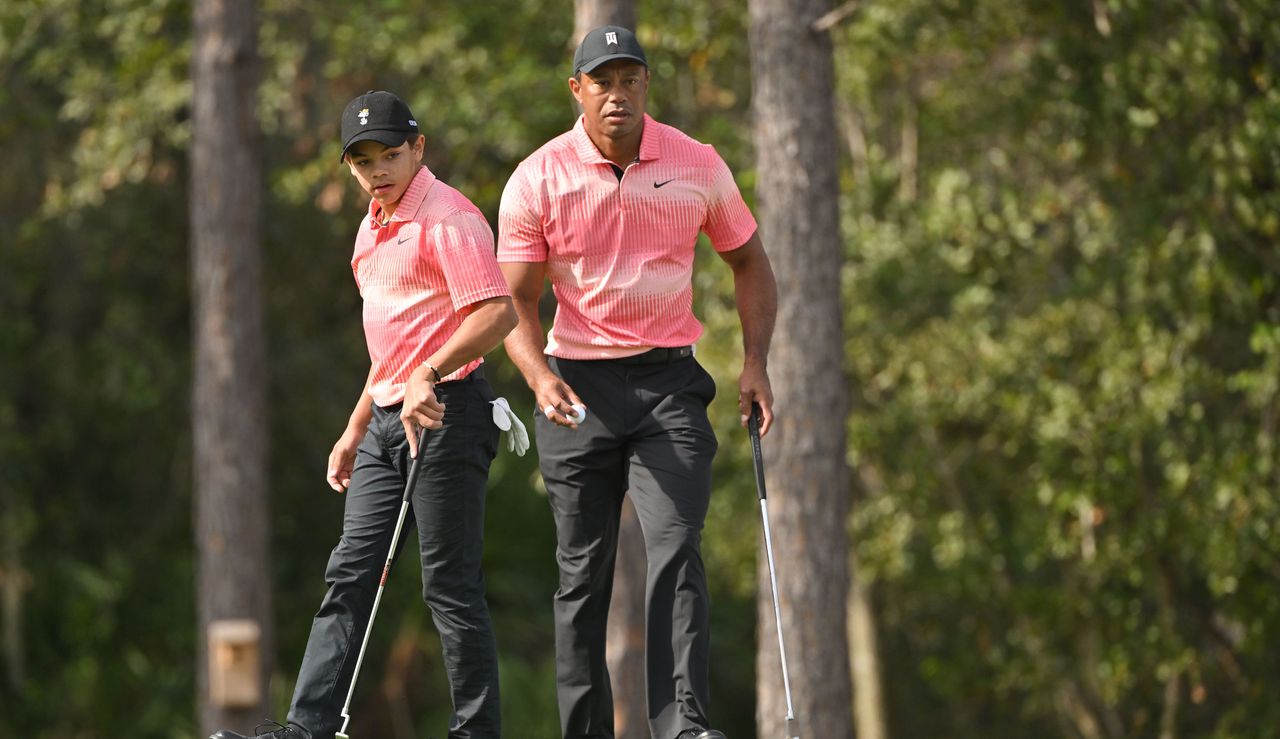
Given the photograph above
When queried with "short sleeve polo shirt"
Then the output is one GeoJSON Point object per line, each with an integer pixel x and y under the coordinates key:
{"type": "Point", "coordinates": [619, 251]}
{"type": "Point", "coordinates": [419, 275]}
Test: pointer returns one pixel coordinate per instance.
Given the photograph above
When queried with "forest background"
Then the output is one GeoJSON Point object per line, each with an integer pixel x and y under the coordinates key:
{"type": "Point", "coordinates": [1060, 290]}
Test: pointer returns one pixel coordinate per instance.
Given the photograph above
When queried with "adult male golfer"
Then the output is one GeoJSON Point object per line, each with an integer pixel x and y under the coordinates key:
{"type": "Point", "coordinates": [610, 212]}
{"type": "Point", "coordinates": [434, 303]}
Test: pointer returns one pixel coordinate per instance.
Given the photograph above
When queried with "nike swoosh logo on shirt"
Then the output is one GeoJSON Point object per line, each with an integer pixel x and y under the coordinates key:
{"type": "Point", "coordinates": [404, 239]}
{"type": "Point", "coordinates": [660, 184]}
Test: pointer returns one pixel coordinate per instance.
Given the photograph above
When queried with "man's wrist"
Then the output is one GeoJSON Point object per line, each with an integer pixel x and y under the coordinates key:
{"type": "Point", "coordinates": [432, 374]}
{"type": "Point", "coordinates": [534, 369]}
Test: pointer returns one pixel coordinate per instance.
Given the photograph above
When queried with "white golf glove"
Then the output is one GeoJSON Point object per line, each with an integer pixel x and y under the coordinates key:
{"type": "Point", "coordinates": [506, 419]}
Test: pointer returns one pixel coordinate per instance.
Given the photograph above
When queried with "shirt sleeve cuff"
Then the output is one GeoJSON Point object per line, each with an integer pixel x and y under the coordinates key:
{"type": "Point", "coordinates": [462, 302]}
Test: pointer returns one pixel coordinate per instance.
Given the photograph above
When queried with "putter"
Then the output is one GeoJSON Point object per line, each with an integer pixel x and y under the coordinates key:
{"type": "Point", "coordinates": [386, 570]}
{"type": "Point", "coordinates": [753, 429]}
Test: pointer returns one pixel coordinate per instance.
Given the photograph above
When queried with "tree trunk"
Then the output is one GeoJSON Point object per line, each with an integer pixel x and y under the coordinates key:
{"type": "Point", "coordinates": [14, 582]}
{"type": "Point", "coordinates": [228, 417]}
{"type": "Point", "coordinates": [864, 641]}
{"type": "Point", "coordinates": [624, 651]}
{"type": "Point", "coordinates": [864, 660]}
{"type": "Point", "coordinates": [588, 14]}
{"type": "Point", "coordinates": [796, 150]}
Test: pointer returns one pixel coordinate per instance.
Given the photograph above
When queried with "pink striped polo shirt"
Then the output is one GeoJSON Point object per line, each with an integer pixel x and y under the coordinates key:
{"type": "Point", "coordinates": [620, 252]}
{"type": "Point", "coordinates": [419, 275]}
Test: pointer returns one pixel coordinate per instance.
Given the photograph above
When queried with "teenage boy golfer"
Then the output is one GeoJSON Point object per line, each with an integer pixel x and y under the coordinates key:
{"type": "Point", "coordinates": [434, 303]}
{"type": "Point", "coordinates": [610, 212]}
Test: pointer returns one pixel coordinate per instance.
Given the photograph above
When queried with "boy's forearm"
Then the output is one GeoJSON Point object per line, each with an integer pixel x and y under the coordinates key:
{"type": "Point", "coordinates": [362, 414]}
{"type": "Point", "coordinates": [481, 331]}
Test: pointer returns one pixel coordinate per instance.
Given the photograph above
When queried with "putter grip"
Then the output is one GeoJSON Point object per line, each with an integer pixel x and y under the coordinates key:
{"type": "Point", "coordinates": [412, 482]}
{"type": "Point", "coordinates": [753, 430]}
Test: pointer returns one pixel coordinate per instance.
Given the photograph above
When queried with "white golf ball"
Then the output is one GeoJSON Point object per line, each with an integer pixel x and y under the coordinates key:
{"type": "Point", "coordinates": [579, 414]}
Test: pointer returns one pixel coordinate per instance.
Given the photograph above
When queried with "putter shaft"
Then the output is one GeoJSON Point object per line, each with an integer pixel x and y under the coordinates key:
{"type": "Point", "coordinates": [382, 583]}
{"type": "Point", "coordinates": [753, 429]}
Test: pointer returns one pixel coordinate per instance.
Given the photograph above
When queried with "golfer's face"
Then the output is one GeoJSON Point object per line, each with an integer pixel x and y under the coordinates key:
{"type": "Point", "coordinates": [385, 172]}
{"type": "Point", "coordinates": [613, 97]}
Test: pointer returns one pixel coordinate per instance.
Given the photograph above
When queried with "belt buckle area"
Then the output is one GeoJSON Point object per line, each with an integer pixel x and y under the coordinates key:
{"type": "Point", "coordinates": [666, 354]}
{"type": "Point", "coordinates": [659, 355]}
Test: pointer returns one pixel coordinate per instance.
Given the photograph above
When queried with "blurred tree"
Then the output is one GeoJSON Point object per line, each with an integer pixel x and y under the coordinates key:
{"type": "Point", "coordinates": [589, 14]}
{"type": "Point", "coordinates": [228, 409]}
{"type": "Point", "coordinates": [625, 650]}
{"type": "Point", "coordinates": [94, 368]}
{"type": "Point", "coordinates": [1060, 317]}
{"type": "Point", "coordinates": [797, 155]}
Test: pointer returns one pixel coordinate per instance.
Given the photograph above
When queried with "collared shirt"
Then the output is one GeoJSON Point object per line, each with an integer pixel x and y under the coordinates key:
{"type": "Point", "coordinates": [419, 274]}
{"type": "Point", "coordinates": [619, 251]}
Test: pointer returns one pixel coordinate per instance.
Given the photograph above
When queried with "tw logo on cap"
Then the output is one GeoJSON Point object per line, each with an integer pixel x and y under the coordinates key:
{"type": "Point", "coordinates": [611, 38]}
{"type": "Point", "coordinates": [364, 116]}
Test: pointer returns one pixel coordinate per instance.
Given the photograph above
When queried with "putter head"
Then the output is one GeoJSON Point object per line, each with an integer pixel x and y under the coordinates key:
{"type": "Point", "coordinates": [340, 735]}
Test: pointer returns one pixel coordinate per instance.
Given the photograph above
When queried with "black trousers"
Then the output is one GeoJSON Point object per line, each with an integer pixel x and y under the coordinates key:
{"type": "Point", "coordinates": [646, 435]}
{"type": "Point", "coordinates": [447, 506]}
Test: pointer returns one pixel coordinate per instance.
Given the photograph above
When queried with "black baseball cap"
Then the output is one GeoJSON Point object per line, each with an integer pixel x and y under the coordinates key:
{"type": "Point", "coordinates": [604, 44]}
{"type": "Point", "coordinates": [377, 116]}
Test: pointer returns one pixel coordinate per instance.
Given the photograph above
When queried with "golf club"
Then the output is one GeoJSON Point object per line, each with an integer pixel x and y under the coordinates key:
{"type": "Point", "coordinates": [753, 429]}
{"type": "Point", "coordinates": [386, 570]}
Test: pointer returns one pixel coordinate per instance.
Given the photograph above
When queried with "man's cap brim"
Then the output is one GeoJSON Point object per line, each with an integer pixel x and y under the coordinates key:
{"type": "Point", "coordinates": [386, 137]}
{"type": "Point", "coordinates": [589, 67]}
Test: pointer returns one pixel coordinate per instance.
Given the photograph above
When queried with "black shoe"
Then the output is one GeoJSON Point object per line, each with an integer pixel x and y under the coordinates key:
{"type": "Point", "coordinates": [280, 732]}
{"type": "Point", "coordinates": [702, 734]}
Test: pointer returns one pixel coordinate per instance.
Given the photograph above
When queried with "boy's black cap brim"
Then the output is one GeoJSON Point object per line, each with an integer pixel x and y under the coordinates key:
{"type": "Point", "coordinates": [382, 136]}
{"type": "Point", "coordinates": [589, 67]}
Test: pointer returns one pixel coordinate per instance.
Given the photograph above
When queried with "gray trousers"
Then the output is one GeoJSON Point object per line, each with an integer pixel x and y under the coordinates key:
{"type": "Point", "coordinates": [646, 435]}
{"type": "Point", "coordinates": [447, 507]}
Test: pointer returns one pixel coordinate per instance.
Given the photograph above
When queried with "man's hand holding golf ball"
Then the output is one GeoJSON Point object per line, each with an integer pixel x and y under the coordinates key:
{"type": "Point", "coordinates": [559, 403]}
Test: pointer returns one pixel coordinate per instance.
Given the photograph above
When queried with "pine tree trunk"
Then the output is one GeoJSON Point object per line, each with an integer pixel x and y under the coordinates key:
{"type": "Point", "coordinates": [228, 417]}
{"type": "Point", "coordinates": [624, 652]}
{"type": "Point", "coordinates": [808, 477]}
{"type": "Point", "coordinates": [864, 642]}
{"type": "Point", "coordinates": [589, 14]}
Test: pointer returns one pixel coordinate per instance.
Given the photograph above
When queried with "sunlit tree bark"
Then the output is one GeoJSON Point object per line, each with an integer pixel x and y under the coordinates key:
{"type": "Point", "coordinates": [796, 150]}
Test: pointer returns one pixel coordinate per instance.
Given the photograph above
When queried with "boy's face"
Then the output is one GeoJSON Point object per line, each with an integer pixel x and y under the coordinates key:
{"type": "Point", "coordinates": [384, 171]}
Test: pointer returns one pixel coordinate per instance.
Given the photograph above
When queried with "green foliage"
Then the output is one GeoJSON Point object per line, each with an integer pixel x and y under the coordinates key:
{"type": "Point", "coordinates": [1063, 350]}
{"type": "Point", "coordinates": [1063, 332]}
{"type": "Point", "coordinates": [94, 398]}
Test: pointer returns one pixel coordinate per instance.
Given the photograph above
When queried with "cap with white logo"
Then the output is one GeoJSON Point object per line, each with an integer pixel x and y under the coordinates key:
{"type": "Point", "coordinates": [377, 116]}
{"type": "Point", "coordinates": [605, 44]}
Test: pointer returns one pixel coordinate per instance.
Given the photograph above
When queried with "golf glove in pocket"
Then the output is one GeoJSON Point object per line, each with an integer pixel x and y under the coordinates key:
{"type": "Point", "coordinates": [506, 419]}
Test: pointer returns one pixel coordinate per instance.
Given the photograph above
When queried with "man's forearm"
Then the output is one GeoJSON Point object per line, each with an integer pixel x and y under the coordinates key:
{"type": "Point", "coordinates": [758, 315]}
{"type": "Point", "coordinates": [756, 295]}
{"type": "Point", "coordinates": [525, 343]}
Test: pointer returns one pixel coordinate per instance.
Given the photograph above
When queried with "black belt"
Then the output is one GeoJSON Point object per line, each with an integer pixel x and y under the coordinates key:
{"type": "Point", "coordinates": [661, 355]}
